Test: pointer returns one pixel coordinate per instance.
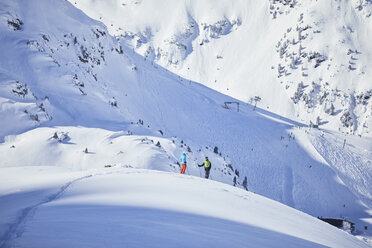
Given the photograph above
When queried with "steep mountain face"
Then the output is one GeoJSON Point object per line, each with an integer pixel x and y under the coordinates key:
{"type": "Point", "coordinates": [306, 60]}
{"type": "Point", "coordinates": [48, 66]}
{"type": "Point", "coordinates": [74, 96]}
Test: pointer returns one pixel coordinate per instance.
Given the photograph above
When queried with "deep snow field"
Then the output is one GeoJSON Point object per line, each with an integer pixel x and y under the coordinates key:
{"type": "Point", "coordinates": [91, 133]}
{"type": "Point", "coordinates": [143, 208]}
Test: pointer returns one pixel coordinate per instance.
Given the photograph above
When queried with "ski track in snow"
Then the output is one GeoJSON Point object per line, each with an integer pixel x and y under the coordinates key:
{"type": "Point", "coordinates": [86, 187]}
{"type": "Point", "coordinates": [250, 141]}
{"type": "Point", "coordinates": [16, 229]}
{"type": "Point", "coordinates": [350, 173]}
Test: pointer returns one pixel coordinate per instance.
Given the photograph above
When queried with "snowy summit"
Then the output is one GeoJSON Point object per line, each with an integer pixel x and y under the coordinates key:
{"type": "Point", "coordinates": [143, 123]}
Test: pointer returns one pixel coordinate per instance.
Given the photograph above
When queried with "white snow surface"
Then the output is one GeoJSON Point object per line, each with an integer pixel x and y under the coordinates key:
{"type": "Point", "coordinates": [74, 99]}
{"type": "Point", "coordinates": [243, 48]}
{"type": "Point", "coordinates": [119, 207]}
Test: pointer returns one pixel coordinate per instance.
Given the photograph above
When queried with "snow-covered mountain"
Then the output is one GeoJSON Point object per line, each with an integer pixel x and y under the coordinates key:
{"type": "Point", "coordinates": [74, 99]}
{"type": "Point", "coordinates": [307, 60]}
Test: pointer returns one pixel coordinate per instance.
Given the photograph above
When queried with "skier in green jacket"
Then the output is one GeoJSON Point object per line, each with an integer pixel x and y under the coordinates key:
{"type": "Point", "coordinates": [207, 167]}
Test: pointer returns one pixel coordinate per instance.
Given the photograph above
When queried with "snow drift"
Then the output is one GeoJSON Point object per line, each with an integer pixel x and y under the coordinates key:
{"type": "Point", "coordinates": [133, 208]}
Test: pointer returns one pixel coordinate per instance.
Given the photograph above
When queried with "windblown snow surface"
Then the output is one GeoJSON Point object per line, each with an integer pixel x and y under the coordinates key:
{"type": "Point", "coordinates": [91, 133]}
{"type": "Point", "coordinates": [144, 208]}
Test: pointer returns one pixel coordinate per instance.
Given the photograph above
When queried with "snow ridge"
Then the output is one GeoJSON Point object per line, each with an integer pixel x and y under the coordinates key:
{"type": "Point", "coordinates": [16, 229]}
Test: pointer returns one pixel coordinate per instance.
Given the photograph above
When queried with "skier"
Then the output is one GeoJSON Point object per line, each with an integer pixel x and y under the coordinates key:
{"type": "Point", "coordinates": [183, 162]}
{"type": "Point", "coordinates": [207, 167]}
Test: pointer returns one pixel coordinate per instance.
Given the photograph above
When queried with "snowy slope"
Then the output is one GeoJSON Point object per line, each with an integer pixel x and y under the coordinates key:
{"type": "Point", "coordinates": [307, 60]}
{"type": "Point", "coordinates": [74, 97]}
{"type": "Point", "coordinates": [141, 208]}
